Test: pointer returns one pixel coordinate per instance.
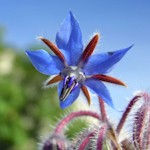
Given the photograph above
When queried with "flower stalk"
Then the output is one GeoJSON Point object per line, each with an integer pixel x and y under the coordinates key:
{"type": "Point", "coordinates": [102, 110]}
{"type": "Point", "coordinates": [101, 136]}
{"type": "Point", "coordinates": [126, 113]}
{"type": "Point", "coordinates": [86, 141]}
{"type": "Point", "coordinates": [74, 115]}
{"type": "Point", "coordinates": [141, 125]}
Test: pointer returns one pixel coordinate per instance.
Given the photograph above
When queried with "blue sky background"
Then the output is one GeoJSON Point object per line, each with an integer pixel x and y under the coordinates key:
{"type": "Point", "coordinates": [120, 23]}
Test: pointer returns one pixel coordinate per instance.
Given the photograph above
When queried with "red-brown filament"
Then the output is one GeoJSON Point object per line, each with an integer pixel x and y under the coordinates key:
{"type": "Point", "coordinates": [90, 48]}
{"type": "Point", "coordinates": [108, 79]}
{"type": "Point", "coordinates": [55, 79]}
{"type": "Point", "coordinates": [86, 93]}
{"type": "Point", "coordinates": [53, 48]}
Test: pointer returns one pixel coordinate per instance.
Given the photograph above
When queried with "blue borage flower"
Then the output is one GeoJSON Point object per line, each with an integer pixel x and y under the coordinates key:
{"type": "Point", "coordinates": [73, 66]}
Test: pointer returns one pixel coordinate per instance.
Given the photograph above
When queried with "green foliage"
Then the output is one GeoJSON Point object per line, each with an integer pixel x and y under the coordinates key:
{"type": "Point", "coordinates": [26, 110]}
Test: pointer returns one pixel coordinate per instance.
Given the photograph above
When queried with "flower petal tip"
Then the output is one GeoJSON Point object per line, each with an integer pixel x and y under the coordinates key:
{"type": "Point", "coordinates": [125, 85]}
{"type": "Point", "coordinates": [27, 52]}
{"type": "Point", "coordinates": [39, 38]}
{"type": "Point", "coordinates": [132, 45]}
{"type": "Point", "coordinates": [97, 35]}
{"type": "Point", "coordinates": [89, 102]}
{"type": "Point", "coordinates": [70, 12]}
{"type": "Point", "coordinates": [87, 95]}
{"type": "Point", "coordinates": [62, 105]}
{"type": "Point", "coordinates": [129, 47]}
{"type": "Point", "coordinates": [119, 82]}
{"type": "Point", "coordinates": [52, 81]}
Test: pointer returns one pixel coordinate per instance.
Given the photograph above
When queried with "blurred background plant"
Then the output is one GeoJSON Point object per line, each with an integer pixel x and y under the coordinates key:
{"type": "Point", "coordinates": [26, 110]}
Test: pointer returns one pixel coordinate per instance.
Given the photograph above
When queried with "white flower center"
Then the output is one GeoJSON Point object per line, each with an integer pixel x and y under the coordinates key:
{"type": "Point", "coordinates": [73, 71]}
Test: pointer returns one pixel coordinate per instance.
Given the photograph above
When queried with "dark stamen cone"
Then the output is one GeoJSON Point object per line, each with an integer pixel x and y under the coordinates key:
{"type": "Point", "coordinates": [109, 79]}
{"type": "Point", "coordinates": [53, 48]}
{"type": "Point", "coordinates": [86, 93]}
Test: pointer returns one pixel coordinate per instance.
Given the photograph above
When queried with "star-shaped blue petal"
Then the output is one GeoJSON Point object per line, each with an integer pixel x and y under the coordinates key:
{"type": "Point", "coordinates": [69, 39]}
{"type": "Point", "coordinates": [104, 62]}
{"type": "Point", "coordinates": [75, 68]}
{"type": "Point", "coordinates": [45, 62]}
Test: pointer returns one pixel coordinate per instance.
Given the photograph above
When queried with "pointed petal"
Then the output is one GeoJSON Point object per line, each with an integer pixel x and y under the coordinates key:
{"type": "Point", "coordinates": [86, 93]}
{"type": "Point", "coordinates": [57, 78]}
{"type": "Point", "coordinates": [71, 98]}
{"type": "Point", "coordinates": [53, 48]}
{"type": "Point", "coordinates": [100, 89]}
{"type": "Point", "coordinates": [44, 62]}
{"type": "Point", "coordinates": [102, 63]}
{"type": "Point", "coordinates": [109, 79]}
{"type": "Point", "coordinates": [90, 48]}
{"type": "Point", "coordinates": [52, 81]}
{"type": "Point", "coordinates": [69, 38]}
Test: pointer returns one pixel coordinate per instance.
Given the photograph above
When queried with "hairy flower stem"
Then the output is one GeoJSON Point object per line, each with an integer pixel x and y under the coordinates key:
{"type": "Point", "coordinates": [73, 115]}
{"type": "Point", "coordinates": [101, 135]}
{"type": "Point", "coordinates": [85, 141]}
{"type": "Point", "coordinates": [141, 124]}
{"type": "Point", "coordinates": [112, 135]}
{"type": "Point", "coordinates": [127, 111]}
{"type": "Point", "coordinates": [147, 136]}
{"type": "Point", "coordinates": [139, 127]}
{"type": "Point", "coordinates": [102, 110]}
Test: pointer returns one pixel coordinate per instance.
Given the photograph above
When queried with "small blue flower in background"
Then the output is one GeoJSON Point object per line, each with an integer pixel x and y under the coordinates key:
{"type": "Point", "coordinates": [73, 66]}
